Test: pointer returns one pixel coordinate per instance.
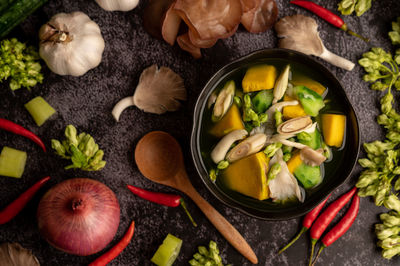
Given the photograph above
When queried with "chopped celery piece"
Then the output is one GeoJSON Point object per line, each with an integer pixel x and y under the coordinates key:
{"type": "Point", "coordinates": [167, 253]}
{"type": "Point", "coordinates": [12, 162]}
{"type": "Point", "coordinates": [40, 110]}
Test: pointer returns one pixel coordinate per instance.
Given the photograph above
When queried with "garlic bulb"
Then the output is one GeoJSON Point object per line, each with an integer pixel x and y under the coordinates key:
{"type": "Point", "coordinates": [71, 44]}
{"type": "Point", "coordinates": [117, 5]}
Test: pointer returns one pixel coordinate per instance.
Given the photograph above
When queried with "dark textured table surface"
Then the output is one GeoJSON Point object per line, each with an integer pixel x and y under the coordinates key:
{"type": "Point", "coordinates": [87, 101]}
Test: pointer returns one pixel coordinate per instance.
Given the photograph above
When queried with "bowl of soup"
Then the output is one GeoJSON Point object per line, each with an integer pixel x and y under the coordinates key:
{"type": "Point", "coordinates": [273, 134]}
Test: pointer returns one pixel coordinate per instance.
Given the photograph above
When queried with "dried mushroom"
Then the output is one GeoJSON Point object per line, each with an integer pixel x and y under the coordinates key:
{"type": "Point", "coordinates": [13, 254]}
{"type": "Point", "coordinates": [159, 90]}
{"type": "Point", "coordinates": [299, 32]}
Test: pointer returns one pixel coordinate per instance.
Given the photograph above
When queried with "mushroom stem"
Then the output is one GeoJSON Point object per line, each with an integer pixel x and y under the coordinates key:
{"type": "Point", "coordinates": [292, 144]}
{"type": "Point", "coordinates": [336, 60]}
{"type": "Point", "coordinates": [220, 151]}
{"type": "Point", "coordinates": [121, 106]}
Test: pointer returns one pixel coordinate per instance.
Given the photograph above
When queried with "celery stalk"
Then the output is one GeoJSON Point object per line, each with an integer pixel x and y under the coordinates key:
{"type": "Point", "coordinates": [40, 110]}
{"type": "Point", "coordinates": [12, 162]}
{"type": "Point", "coordinates": [167, 253]}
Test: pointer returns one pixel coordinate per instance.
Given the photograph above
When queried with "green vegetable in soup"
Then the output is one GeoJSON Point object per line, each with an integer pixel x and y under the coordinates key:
{"type": "Point", "coordinates": [278, 118]}
{"type": "Point", "coordinates": [271, 149]}
{"type": "Point", "coordinates": [273, 171]}
{"type": "Point", "coordinates": [311, 101]}
{"type": "Point", "coordinates": [309, 176]}
{"type": "Point", "coordinates": [312, 140]}
{"type": "Point", "coordinates": [262, 101]}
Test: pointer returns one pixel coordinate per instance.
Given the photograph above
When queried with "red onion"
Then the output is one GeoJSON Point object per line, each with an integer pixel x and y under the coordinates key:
{"type": "Point", "coordinates": [79, 216]}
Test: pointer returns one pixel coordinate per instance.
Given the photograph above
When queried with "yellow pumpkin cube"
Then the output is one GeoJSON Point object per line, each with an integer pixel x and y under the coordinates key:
{"type": "Point", "coordinates": [229, 122]}
{"type": "Point", "coordinates": [292, 111]}
{"type": "Point", "coordinates": [257, 78]}
{"type": "Point", "coordinates": [294, 162]}
{"type": "Point", "coordinates": [333, 128]}
{"type": "Point", "coordinates": [309, 83]}
{"type": "Point", "coordinates": [248, 176]}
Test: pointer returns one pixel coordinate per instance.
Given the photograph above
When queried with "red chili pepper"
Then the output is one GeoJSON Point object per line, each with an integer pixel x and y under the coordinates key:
{"type": "Point", "coordinates": [307, 222]}
{"type": "Point", "coordinates": [19, 203]}
{"type": "Point", "coordinates": [169, 200]}
{"type": "Point", "coordinates": [19, 130]}
{"type": "Point", "coordinates": [117, 249]}
{"type": "Point", "coordinates": [327, 16]}
{"type": "Point", "coordinates": [326, 218]}
{"type": "Point", "coordinates": [341, 227]}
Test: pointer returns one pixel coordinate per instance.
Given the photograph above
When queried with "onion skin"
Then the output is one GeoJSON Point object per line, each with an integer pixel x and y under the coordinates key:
{"type": "Point", "coordinates": [79, 216]}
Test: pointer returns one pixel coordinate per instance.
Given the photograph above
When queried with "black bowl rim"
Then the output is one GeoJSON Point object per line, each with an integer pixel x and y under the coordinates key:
{"type": "Point", "coordinates": [194, 149]}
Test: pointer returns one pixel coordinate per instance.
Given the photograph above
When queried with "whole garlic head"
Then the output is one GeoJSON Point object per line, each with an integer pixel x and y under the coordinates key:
{"type": "Point", "coordinates": [117, 5]}
{"type": "Point", "coordinates": [71, 44]}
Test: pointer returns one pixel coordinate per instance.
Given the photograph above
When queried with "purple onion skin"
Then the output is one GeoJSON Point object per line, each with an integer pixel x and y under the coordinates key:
{"type": "Point", "coordinates": [79, 216]}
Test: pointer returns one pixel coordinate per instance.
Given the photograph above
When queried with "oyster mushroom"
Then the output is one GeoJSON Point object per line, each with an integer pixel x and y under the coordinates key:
{"type": "Point", "coordinates": [312, 157]}
{"type": "Point", "coordinates": [308, 156]}
{"type": "Point", "coordinates": [219, 152]}
{"type": "Point", "coordinates": [249, 146]}
{"type": "Point", "coordinates": [159, 90]}
{"type": "Point", "coordinates": [295, 125]}
{"type": "Point", "coordinates": [284, 186]}
{"type": "Point", "coordinates": [281, 84]}
{"type": "Point", "coordinates": [300, 33]}
{"type": "Point", "coordinates": [260, 15]}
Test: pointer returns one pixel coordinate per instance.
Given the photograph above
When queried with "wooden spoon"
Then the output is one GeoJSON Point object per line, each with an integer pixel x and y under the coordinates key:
{"type": "Point", "coordinates": [159, 158]}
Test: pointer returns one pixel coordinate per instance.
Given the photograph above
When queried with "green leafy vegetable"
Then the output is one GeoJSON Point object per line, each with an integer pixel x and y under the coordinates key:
{"type": "Point", "coordinates": [18, 63]}
{"type": "Point", "coordinates": [347, 7]}
{"type": "Point", "coordinates": [80, 149]}
{"type": "Point", "coordinates": [207, 257]}
{"type": "Point", "coordinates": [382, 165]}
{"type": "Point", "coordinates": [395, 34]}
{"type": "Point", "coordinates": [395, 38]}
{"type": "Point", "coordinates": [388, 234]}
{"type": "Point", "coordinates": [382, 70]}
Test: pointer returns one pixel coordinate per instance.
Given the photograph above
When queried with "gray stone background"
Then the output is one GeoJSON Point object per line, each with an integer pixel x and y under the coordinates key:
{"type": "Point", "coordinates": [86, 102]}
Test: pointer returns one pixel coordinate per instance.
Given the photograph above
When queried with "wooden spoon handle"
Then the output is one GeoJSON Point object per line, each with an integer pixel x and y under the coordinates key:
{"type": "Point", "coordinates": [222, 225]}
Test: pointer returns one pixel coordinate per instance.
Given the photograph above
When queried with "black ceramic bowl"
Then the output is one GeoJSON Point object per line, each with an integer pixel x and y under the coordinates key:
{"type": "Point", "coordinates": [335, 175]}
